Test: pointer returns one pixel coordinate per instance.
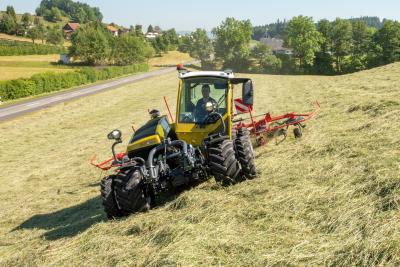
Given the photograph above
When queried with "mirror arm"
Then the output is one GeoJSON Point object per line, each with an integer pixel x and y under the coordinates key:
{"type": "Point", "coordinates": [119, 141]}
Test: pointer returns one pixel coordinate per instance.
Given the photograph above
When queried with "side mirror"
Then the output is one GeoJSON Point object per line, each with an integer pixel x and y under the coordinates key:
{"type": "Point", "coordinates": [115, 135]}
{"type": "Point", "coordinates": [248, 93]}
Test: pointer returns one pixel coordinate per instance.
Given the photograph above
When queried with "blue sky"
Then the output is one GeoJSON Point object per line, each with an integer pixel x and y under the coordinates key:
{"type": "Point", "coordinates": [188, 15]}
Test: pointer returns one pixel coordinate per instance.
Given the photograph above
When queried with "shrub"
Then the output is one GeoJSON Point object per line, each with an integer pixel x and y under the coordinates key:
{"type": "Point", "coordinates": [49, 82]}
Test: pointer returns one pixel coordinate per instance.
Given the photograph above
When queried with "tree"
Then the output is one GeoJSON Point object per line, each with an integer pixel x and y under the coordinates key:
{"type": "Point", "coordinates": [130, 49]}
{"type": "Point", "coordinates": [362, 37]}
{"type": "Point", "coordinates": [7, 24]}
{"type": "Point", "coordinates": [76, 11]}
{"type": "Point", "coordinates": [388, 38]}
{"type": "Point", "coordinates": [34, 34]}
{"type": "Point", "coordinates": [302, 36]}
{"type": "Point", "coordinates": [160, 45]}
{"type": "Point", "coordinates": [341, 41]}
{"type": "Point", "coordinates": [11, 12]}
{"type": "Point", "coordinates": [201, 47]}
{"type": "Point", "coordinates": [139, 30]}
{"type": "Point", "coordinates": [91, 45]}
{"type": "Point", "coordinates": [361, 46]}
{"type": "Point", "coordinates": [232, 43]}
{"type": "Point", "coordinates": [171, 38]}
{"type": "Point", "coordinates": [185, 44]}
{"type": "Point", "coordinates": [150, 28]}
{"type": "Point", "coordinates": [55, 36]}
{"type": "Point", "coordinates": [41, 31]}
{"type": "Point", "coordinates": [323, 62]}
{"type": "Point", "coordinates": [36, 20]}
{"type": "Point", "coordinates": [266, 61]}
{"type": "Point", "coordinates": [53, 15]}
{"type": "Point", "coordinates": [259, 32]}
{"type": "Point", "coordinates": [26, 20]}
{"type": "Point", "coordinates": [325, 28]}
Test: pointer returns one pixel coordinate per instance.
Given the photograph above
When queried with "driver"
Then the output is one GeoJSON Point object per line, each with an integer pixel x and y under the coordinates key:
{"type": "Point", "coordinates": [200, 111]}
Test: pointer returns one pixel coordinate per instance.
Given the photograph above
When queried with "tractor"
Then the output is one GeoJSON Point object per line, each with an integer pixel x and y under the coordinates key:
{"type": "Point", "coordinates": [203, 142]}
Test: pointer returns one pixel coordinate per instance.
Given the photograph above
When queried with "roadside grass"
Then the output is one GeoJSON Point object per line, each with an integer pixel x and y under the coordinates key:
{"type": "Point", "coordinates": [331, 198]}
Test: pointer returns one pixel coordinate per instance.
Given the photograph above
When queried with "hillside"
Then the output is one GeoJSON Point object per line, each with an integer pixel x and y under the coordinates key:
{"type": "Point", "coordinates": [331, 198]}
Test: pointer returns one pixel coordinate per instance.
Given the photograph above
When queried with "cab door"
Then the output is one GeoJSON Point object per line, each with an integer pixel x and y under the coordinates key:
{"type": "Point", "coordinates": [189, 127]}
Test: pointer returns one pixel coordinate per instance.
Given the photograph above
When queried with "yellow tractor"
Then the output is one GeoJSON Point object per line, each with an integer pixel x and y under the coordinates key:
{"type": "Point", "coordinates": [201, 143]}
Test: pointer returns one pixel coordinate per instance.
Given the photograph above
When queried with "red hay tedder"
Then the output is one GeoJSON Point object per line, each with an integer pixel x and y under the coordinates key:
{"type": "Point", "coordinates": [269, 126]}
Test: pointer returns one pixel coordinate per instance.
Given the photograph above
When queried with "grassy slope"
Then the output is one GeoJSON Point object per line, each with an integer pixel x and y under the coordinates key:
{"type": "Point", "coordinates": [331, 198]}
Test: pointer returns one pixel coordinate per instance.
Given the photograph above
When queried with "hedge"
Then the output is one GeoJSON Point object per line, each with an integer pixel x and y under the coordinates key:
{"type": "Point", "coordinates": [50, 81]}
{"type": "Point", "coordinates": [16, 48]}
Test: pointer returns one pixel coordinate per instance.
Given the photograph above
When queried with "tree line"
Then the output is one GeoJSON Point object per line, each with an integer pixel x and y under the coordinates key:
{"type": "Point", "coordinates": [341, 46]}
{"type": "Point", "coordinates": [29, 26]}
{"type": "Point", "coordinates": [54, 10]}
{"type": "Point", "coordinates": [325, 47]}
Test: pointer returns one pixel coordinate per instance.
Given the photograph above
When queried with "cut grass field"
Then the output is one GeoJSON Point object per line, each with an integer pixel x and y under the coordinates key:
{"type": "Point", "coordinates": [14, 67]}
{"type": "Point", "coordinates": [331, 198]}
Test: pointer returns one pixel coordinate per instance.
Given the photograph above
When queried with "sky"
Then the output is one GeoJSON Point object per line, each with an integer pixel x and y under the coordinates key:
{"type": "Point", "coordinates": [189, 15]}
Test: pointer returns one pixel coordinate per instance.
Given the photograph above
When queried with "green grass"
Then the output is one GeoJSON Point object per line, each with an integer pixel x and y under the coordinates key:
{"type": "Point", "coordinates": [331, 198]}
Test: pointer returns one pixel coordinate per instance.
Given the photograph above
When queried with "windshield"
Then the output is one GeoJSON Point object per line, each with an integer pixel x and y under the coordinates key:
{"type": "Point", "coordinates": [196, 92]}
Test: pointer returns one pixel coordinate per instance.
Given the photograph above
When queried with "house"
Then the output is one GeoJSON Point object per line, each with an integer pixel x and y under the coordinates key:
{"type": "Point", "coordinates": [114, 31]}
{"type": "Point", "coordinates": [70, 28]}
{"type": "Point", "coordinates": [123, 31]}
{"type": "Point", "coordinates": [152, 35]}
{"type": "Point", "coordinates": [276, 45]}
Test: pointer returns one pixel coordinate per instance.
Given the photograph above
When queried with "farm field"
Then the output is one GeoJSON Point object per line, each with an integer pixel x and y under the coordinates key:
{"type": "Point", "coordinates": [331, 198]}
{"type": "Point", "coordinates": [14, 67]}
{"type": "Point", "coordinates": [8, 37]}
{"type": "Point", "coordinates": [171, 58]}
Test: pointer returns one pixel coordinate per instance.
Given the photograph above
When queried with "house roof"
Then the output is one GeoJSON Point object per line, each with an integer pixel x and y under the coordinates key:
{"type": "Point", "coordinates": [111, 28]}
{"type": "Point", "coordinates": [72, 25]}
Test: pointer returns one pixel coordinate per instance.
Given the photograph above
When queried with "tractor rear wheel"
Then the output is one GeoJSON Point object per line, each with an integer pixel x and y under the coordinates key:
{"type": "Point", "coordinates": [107, 194]}
{"type": "Point", "coordinates": [245, 155]}
{"type": "Point", "coordinates": [223, 163]}
{"type": "Point", "coordinates": [129, 192]}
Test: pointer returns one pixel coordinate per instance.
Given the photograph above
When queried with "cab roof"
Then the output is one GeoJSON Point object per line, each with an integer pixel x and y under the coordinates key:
{"type": "Point", "coordinates": [220, 74]}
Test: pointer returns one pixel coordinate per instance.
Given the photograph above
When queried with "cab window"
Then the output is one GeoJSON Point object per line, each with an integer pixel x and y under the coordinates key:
{"type": "Point", "coordinates": [195, 94]}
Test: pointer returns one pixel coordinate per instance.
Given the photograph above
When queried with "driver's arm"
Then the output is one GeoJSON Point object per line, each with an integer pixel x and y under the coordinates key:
{"type": "Point", "coordinates": [198, 110]}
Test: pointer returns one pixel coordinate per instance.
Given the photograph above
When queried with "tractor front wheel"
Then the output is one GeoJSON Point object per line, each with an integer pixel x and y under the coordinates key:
{"type": "Point", "coordinates": [223, 163]}
{"type": "Point", "coordinates": [130, 192]}
{"type": "Point", "coordinates": [107, 194]}
{"type": "Point", "coordinates": [244, 150]}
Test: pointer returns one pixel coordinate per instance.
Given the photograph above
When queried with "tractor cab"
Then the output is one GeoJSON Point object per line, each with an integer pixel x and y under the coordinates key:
{"type": "Point", "coordinates": [204, 104]}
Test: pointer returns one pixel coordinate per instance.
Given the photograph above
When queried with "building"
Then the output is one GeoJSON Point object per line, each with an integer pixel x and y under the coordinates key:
{"type": "Point", "coordinates": [114, 31]}
{"type": "Point", "coordinates": [152, 35]}
{"type": "Point", "coordinates": [65, 59]}
{"type": "Point", "coordinates": [70, 28]}
{"type": "Point", "coordinates": [276, 45]}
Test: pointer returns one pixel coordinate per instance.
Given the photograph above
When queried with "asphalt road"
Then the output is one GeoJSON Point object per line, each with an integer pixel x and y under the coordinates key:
{"type": "Point", "coordinates": [20, 108]}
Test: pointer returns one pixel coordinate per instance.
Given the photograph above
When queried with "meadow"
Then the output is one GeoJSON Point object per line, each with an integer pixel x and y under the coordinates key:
{"type": "Point", "coordinates": [14, 67]}
{"type": "Point", "coordinates": [329, 199]}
